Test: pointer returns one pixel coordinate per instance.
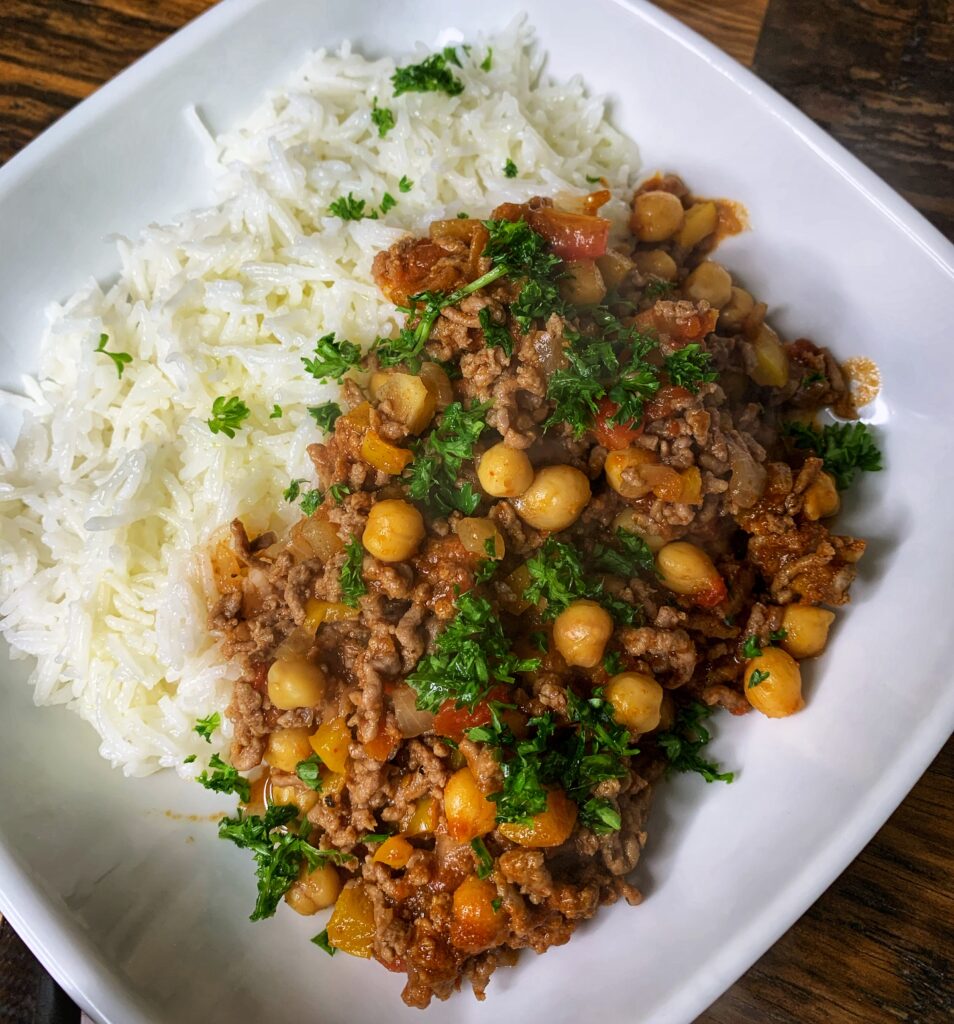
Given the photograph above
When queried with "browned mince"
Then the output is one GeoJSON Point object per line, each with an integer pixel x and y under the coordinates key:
{"type": "Point", "coordinates": [752, 516]}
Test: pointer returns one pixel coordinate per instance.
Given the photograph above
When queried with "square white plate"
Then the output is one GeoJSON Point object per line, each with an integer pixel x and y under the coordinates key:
{"type": "Point", "coordinates": [142, 916]}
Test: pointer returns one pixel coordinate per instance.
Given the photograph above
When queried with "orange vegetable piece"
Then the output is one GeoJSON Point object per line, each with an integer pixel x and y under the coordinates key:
{"type": "Point", "coordinates": [384, 456]}
{"type": "Point", "coordinates": [330, 742]}
{"type": "Point", "coordinates": [551, 827]}
{"type": "Point", "coordinates": [424, 818]}
{"type": "Point", "coordinates": [351, 928]}
{"type": "Point", "coordinates": [475, 923]}
{"type": "Point", "coordinates": [395, 852]}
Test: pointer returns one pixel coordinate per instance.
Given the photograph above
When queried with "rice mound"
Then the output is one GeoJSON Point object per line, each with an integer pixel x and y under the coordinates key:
{"type": "Point", "coordinates": [115, 488]}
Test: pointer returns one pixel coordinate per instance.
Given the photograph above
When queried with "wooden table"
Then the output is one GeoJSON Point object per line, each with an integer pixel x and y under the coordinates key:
{"type": "Point", "coordinates": [877, 947]}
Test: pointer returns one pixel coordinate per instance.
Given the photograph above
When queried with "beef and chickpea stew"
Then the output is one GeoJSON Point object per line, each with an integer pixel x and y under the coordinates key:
{"type": "Point", "coordinates": [581, 500]}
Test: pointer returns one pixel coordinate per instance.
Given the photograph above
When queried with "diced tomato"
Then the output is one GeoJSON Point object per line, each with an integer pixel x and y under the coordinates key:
{"type": "Point", "coordinates": [614, 436]}
{"type": "Point", "coordinates": [572, 236]}
{"type": "Point", "coordinates": [665, 401]}
{"type": "Point", "coordinates": [382, 746]}
{"type": "Point", "coordinates": [453, 722]}
{"type": "Point", "coordinates": [666, 318]}
{"type": "Point", "coordinates": [712, 595]}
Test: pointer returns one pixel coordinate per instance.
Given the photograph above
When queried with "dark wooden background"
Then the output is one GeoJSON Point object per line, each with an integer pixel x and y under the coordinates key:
{"type": "Point", "coordinates": [877, 947]}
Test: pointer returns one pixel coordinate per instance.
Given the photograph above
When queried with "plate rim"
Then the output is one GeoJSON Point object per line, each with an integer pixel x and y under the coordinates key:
{"type": "Point", "coordinates": [46, 927]}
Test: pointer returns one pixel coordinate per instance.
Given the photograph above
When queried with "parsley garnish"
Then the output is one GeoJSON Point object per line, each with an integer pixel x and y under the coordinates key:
{"type": "Point", "coordinates": [450, 55]}
{"type": "Point", "coordinates": [594, 179]}
{"type": "Point", "coordinates": [613, 663]}
{"type": "Point", "coordinates": [206, 726]}
{"type": "Point", "coordinates": [292, 491]}
{"type": "Point", "coordinates": [463, 215]}
{"type": "Point", "coordinates": [432, 477]}
{"type": "Point", "coordinates": [657, 288]}
{"type": "Point", "coordinates": [815, 377]}
{"type": "Point", "coordinates": [388, 202]}
{"type": "Point", "coordinates": [752, 648]}
{"type": "Point", "coordinates": [757, 677]}
{"type": "Point", "coordinates": [488, 62]}
{"type": "Point", "coordinates": [279, 852]}
{"type": "Point", "coordinates": [352, 582]}
{"type": "Point", "coordinates": [190, 759]}
{"type": "Point", "coordinates": [375, 837]}
{"type": "Point", "coordinates": [405, 184]}
{"type": "Point", "coordinates": [325, 415]}
{"type": "Point", "coordinates": [225, 779]}
{"type": "Point", "coordinates": [276, 413]}
{"type": "Point", "coordinates": [469, 657]}
{"type": "Point", "coordinates": [311, 501]}
{"type": "Point", "coordinates": [845, 448]}
{"type": "Point", "coordinates": [322, 942]}
{"type": "Point", "coordinates": [684, 742]}
{"type": "Point", "coordinates": [228, 415]}
{"type": "Point", "coordinates": [510, 168]}
{"type": "Point", "coordinates": [636, 555]}
{"type": "Point", "coordinates": [485, 863]}
{"type": "Point", "coordinates": [690, 367]}
{"type": "Point", "coordinates": [381, 118]}
{"type": "Point", "coordinates": [333, 358]}
{"type": "Point", "coordinates": [349, 208]}
{"type": "Point", "coordinates": [338, 491]}
{"type": "Point", "coordinates": [539, 640]}
{"type": "Point", "coordinates": [431, 75]}
{"type": "Point", "coordinates": [777, 636]}
{"type": "Point", "coordinates": [120, 359]}
{"type": "Point", "coordinates": [496, 335]}
{"type": "Point", "coordinates": [496, 903]}
{"type": "Point", "coordinates": [309, 771]}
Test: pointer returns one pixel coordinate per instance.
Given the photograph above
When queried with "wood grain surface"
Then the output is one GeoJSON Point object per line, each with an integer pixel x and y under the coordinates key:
{"type": "Point", "coordinates": [877, 947]}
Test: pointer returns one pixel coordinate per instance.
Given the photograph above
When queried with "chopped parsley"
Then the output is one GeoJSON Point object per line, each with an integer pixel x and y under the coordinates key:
{"type": "Point", "coordinates": [276, 413]}
{"type": "Point", "coordinates": [388, 202]}
{"type": "Point", "coordinates": [485, 863]}
{"type": "Point", "coordinates": [349, 208]}
{"type": "Point", "coordinates": [450, 55]}
{"type": "Point", "coordinates": [293, 490]}
{"type": "Point", "coordinates": [752, 648]}
{"type": "Point", "coordinates": [191, 759]}
{"type": "Point", "coordinates": [496, 335]}
{"type": "Point", "coordinates": [309, 771]}
{"type": "Point", "coordinates": [432, 477]}
{"type": "Point", "coordinates": [631, 554]}
{"type": "Point", "coordinates": [405, 184]}
{"type": "Point", "coordinates": [684, 742]}
{"type": "Point", "coordinates": [338, 491]}
{"type": "Point", "coordinates": [310, 502]}
{"type": "Point", "coordinates": [325, 415]}
{"type": "Point", "coordinates": [382, 118]}
{"type": "Point", "coordinates": [120, 359]}
{"type": "Point", "coordinates": [225, 779]}
{"type": "Point", "coordinates": [613, 663]}
{"type": "Point", "coordinates": [322, 942]}
{"type": "Point", "coordinates": [469, 657]}
{"type": "Point", "coordinates": [332, 358]}
{"type": "Point", "coordinates": [206, 726]}
{"type": "Point", "coordinates": [228, 414]}
{"type": "Point", "coordinates": [490, 564]}
{"type": "Point", "coordinates": [757, 677]}
{"type": "Point", "coordinates": [463, 215]}
{"type": "Point", "coordinates": [280, 852]}
{"type": "Point", "coordinates": [594, 179]}
{"type": "Point", "coordinates": [431, 75]}
{"type": "Point", "coordinates": [510, 169]}
{"type": "Point", "coordinates": [488, 62]}
{"type": "Point", "coordinates": [690, 367]}
{"type": "Point", "coordinates": [815, 377]}
{"type": "Point", "coordinates": [496, 903]}
{"type": "Point", "coordinates": [539, 640]}
{"type": "Point", "coordinates": [375, 837]}
{"type": "Point", "coordinates": [352, 582]}
{"type": "Point", "coordinates": [844, 448]}
{"type": "Point", "coordinates": [657, 288]}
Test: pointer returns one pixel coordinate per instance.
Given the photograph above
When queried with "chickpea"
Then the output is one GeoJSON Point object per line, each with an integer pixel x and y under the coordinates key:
{"type": "Point", "coordinates": [581, 631]}
{"type": "Point", "coordinates": [583, 283]}
{"type": "Point", "coordinates": [474, 922]}
{"type": "Point", "coordinates": [295, 683]}
{"type": "Point", "coordinates": [286, 747]}
{"type": "Point", "coordinates": [314, 890]}
{"type": "Point", "coordinates": [806, 630]}
{"type": "Point", "coordinates": [294, 796]}
{"type": "Point", "coordinates": [656, 216]}
{"type": "Point", "coordinates": [821, 498]}
{"type": "Point", "coordinates": [555, 499]}
{"type": "Point", "coordinates": [688, 570]}
{"type": "Point", "coordinates": [504, 472]}
{"type": "Point", "coordinates": [656, 263]}
{"type": "Point", "coordinates": [711, 282]}
{"type": "Point", "coordinates": [474, 535]}
{"type": "Point", "coordinates": [773, 683]}
{"type": "Point", "coordinates": [771, 359]}
{"type": "Point", "coordinates": [637, 701]}
{"type": "Point", "coordinates": [626, 520]}
{"type": "Point", "coordinates": [468, 812]}
{"type": "Point", "coordinates": [395, 530]}
{"type": "Point", "coordinates": [734, 312]}
{"type": "Point", "coordinates": [615, 267]}
{"type": "Point", "coordinates": [632, 485]}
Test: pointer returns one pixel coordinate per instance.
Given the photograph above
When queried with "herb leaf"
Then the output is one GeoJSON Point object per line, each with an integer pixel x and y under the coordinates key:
{"type": "Point", "coordinates": [636, 555]}
{"type": "Point", "coordinates": [488, 62]}
{"type": "Point", "coordinates": [845, 448]}
{"type": "Point", "coordinates": [325, 415]}
{"type": "Point", "coordinates": [120, 359]}
{"type": "Point", "coordinates": [405, 184]}
{"type": "Point", "coordinates": [322, 942]}
{"type": "Point", "coordinates": [431, 75]}
{"type": "Point", "coordinates": [485, 863]}
{"type": "Point", "coordinates": [206, 726]}
{"type": "Point", "coordinates": [276, 413]}
{"type": "Point", "coordinates": [309, 771]}
{"type": "Point", "coordinates": [690, 367]}
{"type": "Point", "coordinates": [349, 208]}
{"type": "Point", "coordinates": [228, 414]}
{"type": "Point", "coordinates": [292, 491]}
{"type": "Point", "coordinates": [382, 118]}
{"type": "Point", "coordinates": [388, 202]}
{"type": "Point", "coordinates": [757, 677]}
{"type": "Point", "coordinates": [310, 502]}
{"type": "Point", "coordinates": [496, 335]}
{"type": "Point", "coordinates": [352, 582]}
{"type": "Point", "coordinates": [684, 742]}
{"type": "Point", "coordinates": [332, 358]}
{"type": "Point", "coordinates": [225, 779]}
{"type": "Point", "coordinates": [510, 169]}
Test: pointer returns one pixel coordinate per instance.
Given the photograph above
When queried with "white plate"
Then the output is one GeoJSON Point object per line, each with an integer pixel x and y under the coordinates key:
{"type": "Point", "coordinates": [142, 917]}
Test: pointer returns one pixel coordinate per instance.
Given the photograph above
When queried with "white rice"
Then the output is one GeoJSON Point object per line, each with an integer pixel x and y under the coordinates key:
{"type": "Point", "coordinates": [115, 487]}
